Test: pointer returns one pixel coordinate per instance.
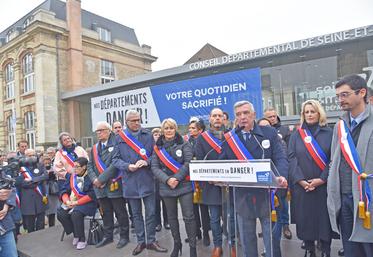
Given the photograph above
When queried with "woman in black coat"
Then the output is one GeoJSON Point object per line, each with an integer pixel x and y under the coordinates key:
{"type": "Point", "coordinates": [309, 176]}
{"type": "Point", "coordinates": [174, 183]}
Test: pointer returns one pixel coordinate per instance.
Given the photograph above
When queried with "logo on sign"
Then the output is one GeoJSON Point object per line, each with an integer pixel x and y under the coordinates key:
{"type": "Point", "coordinates": [263, 176]}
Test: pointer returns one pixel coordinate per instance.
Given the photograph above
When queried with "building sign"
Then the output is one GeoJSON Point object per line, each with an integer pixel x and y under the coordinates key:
{"type": "Point", "coordinates": [318, 41]}
{"type": "Point", "coordinates": [182, 99]}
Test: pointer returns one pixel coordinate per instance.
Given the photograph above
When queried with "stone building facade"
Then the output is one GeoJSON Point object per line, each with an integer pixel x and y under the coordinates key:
{"type": "Point", "coordinates": [54, 49]}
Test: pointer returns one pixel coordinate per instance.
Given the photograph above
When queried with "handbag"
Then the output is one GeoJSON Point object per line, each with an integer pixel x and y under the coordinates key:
{"type": "Point", "coordinates": [53, 187]}
{"type": "Point", "coordinates": [95, 232]}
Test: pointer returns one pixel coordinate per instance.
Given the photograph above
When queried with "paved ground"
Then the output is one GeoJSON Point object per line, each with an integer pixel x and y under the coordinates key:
{"type": "Point", "coordinates": [46, 243]}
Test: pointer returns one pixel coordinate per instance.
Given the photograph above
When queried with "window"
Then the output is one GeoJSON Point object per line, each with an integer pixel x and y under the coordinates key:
{"type": "Point", "coordinates": [9, 80]}
{"type": "Point", "coordinates": [10, 35]}
{"type": "Point", "coordinates": [27, 22]}
{"type": "Point", "coordinates": [11, 125]}
{"type": "Point", "coordinates": [104, 34]}
{"type": "Point", "coordinates": [107, 72]}
{"type": "Point", "coordinates": [28, 73]}
{"type": "Point", "coordinates": [30, 128]}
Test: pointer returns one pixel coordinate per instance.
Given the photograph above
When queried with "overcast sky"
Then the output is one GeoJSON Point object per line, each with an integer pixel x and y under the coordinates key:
{"type": "Point", "coordinates": [177, 29]}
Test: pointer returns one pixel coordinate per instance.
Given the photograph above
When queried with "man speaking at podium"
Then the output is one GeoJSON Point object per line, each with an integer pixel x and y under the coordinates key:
{"type": "Point", "coordinates": [250, 141]}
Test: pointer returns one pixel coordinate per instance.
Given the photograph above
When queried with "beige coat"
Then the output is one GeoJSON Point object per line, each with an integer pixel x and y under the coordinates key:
{"type": "Point", "coordinates": [61, 166]}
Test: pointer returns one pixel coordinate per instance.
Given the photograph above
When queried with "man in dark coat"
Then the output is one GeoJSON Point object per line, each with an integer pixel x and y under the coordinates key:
{"type": "Point", "coordinates": [107, 184]}
{"type": "Point", "coordinates": [284, 133]}
{"type": "Point", "coordinates": [33, 193]}
{"type": "Point", "coordinates": [262, 143]}
{"type": "Point", "coordinates": [211, 194]}
{"type": "Point", "coordinates": [132, 154]}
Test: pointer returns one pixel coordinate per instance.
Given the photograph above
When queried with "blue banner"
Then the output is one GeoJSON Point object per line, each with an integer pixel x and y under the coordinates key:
{"type": "Point", "coordinates": [196, 97]}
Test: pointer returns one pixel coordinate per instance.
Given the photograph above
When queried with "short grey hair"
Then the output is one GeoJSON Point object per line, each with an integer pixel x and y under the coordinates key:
{"type": "Point", "coordinates": [103, 123]}
{"type": "Point", "coordinates": [132, 113]}
{"type": "Point", "coordinates": [51, 149]}
{"type": "Point", "coordinates": [244, 102]}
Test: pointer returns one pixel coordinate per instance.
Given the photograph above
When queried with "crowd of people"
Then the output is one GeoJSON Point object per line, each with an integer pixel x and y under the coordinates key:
{"type": "Point", "coordinates": [325, 173]}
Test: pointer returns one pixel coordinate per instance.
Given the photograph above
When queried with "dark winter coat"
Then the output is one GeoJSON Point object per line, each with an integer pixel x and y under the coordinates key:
{"type": "Point", "coordinates": [140, 183]}
{"type": "Point", "coordinates": [111, 173]}
{"type": "Point", "coordinates": [182, 153]}
{"type": "Point", "coordinates": [88, 209]}
{"type": "Point", "coordinates": [310, 208]}
{"type": "Point", "coordinates": [31, 201]}
{"type": "Point", "coordinates": [211, 194]}
{"type": "Point", "coordinates": [252, 202]}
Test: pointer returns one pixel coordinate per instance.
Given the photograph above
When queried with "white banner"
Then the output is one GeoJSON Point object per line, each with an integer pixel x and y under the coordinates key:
{"type": "Point", "coordinates": [231, 171]}
{"type": "Point", "coordinates": [114, 107]}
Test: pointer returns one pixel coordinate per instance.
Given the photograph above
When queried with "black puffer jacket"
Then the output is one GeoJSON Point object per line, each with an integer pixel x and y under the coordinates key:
{"type": "Point", "coordinates": [181, 152]}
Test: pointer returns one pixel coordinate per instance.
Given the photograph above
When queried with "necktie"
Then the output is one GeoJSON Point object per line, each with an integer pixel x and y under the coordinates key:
{"type": "Point", "coordinates": [246, 136]}
{"type": "Point", "coordinates": [353, 124]}
{"type": "Point", "coordinates": [102, 146]}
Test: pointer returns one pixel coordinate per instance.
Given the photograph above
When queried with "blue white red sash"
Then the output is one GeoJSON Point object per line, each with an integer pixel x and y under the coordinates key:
{"type": "Point", "coordinates": [135, 144]}
{"type": "Point", "coordinates": [18, 200]}
{"type": "Point", "coordinates": [313, 148]}
{"type": "Point", "coordinates": [100, 165]}
{"type": "Point", "coordinates": [28, 175]}
{"type": "Point", "coordinates": [68, 157]}
{"type": "Point", "coordinates": [237, 146]}
{"type": "Point", "coordinates": [74, 187]}
{"type": "Point", "coordinates": [352, 158]}
{"type": "Point", "coordinates": [212, 141]}
{"type": "Point", "coordinates": [167, 160]}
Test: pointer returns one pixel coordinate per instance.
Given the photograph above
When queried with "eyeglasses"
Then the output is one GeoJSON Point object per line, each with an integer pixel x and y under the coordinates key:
{"type": "Point", "coordinates": [134, 121]}
{"type": "Point", "coordinates": [344, 95]}
{"type": "Point", "coordinates": [100, 130]}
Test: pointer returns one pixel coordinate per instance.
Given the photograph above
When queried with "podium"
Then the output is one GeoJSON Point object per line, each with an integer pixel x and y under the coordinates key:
{"type": "Point", "coordinates": [249, 195]}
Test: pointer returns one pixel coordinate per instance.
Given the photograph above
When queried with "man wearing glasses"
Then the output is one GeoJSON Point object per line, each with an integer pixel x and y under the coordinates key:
{"type": "Point", "coordinates": [351, 169]}
{"type": "Point", "coordinates": [107, 184]}
{"type": "Point", "coordinates": [132, 154]}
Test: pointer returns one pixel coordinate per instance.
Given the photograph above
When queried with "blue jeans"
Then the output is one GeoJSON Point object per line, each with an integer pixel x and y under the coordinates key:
{"type": "Point", "coordinates": [249, 241]}
{"type": "Point", "coordinates": [216, 212]}
{"type": "Point", "coordinates": [346, 220]}
{"type": "Point", "coordinates": [8, 245]}
{"type": "Point", "coordinates": [217, 231]}
{"type": "Point", "coordinates": [149, 203]}
{"type": "Point", "coordinates": [283, 213]}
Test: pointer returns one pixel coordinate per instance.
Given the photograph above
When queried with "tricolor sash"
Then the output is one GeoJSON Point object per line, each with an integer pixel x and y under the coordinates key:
{"type": "Point", "coordinates": [314, 148]}
{"type": "Point", "coordinates": [167, 160]}
{"type": "Point", "coordinates": [100, 165]}
{"type": "Point", "coordinates": [237, 146]}
{"type": "Point", "coordinates": [28, 175]}
{"type": "Point", "coordinates": [212, 141]}
{"type": "Point", "coordinates": [18, 201]}
{"type": "Point", "coordinates": [68, 157]}
{"type": "Point", "coordinates": [74, 187]}
{"type": "Point", "coordinates": [351, 156]}
{"type": "Point", "coordinates": [135, 144]}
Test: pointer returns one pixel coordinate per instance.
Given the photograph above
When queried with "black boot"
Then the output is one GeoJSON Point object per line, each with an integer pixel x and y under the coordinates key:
{"type": "Point", "coordinates": [178, 247]}
{"type": "Point", "coordinates": [193, 251]}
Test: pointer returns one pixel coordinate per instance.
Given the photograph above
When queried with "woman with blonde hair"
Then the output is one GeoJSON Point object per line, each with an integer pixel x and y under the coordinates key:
{"type": "Point", "coordinates": [170, 166]}
{"type": "Point", "coordinates": [309, 156]}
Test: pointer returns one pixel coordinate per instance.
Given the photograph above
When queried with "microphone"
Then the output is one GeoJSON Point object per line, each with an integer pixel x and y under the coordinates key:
{"type": "Point", "coordinates": [237, 130]}
{"type": "Point", "coordinates": [257, 141]}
